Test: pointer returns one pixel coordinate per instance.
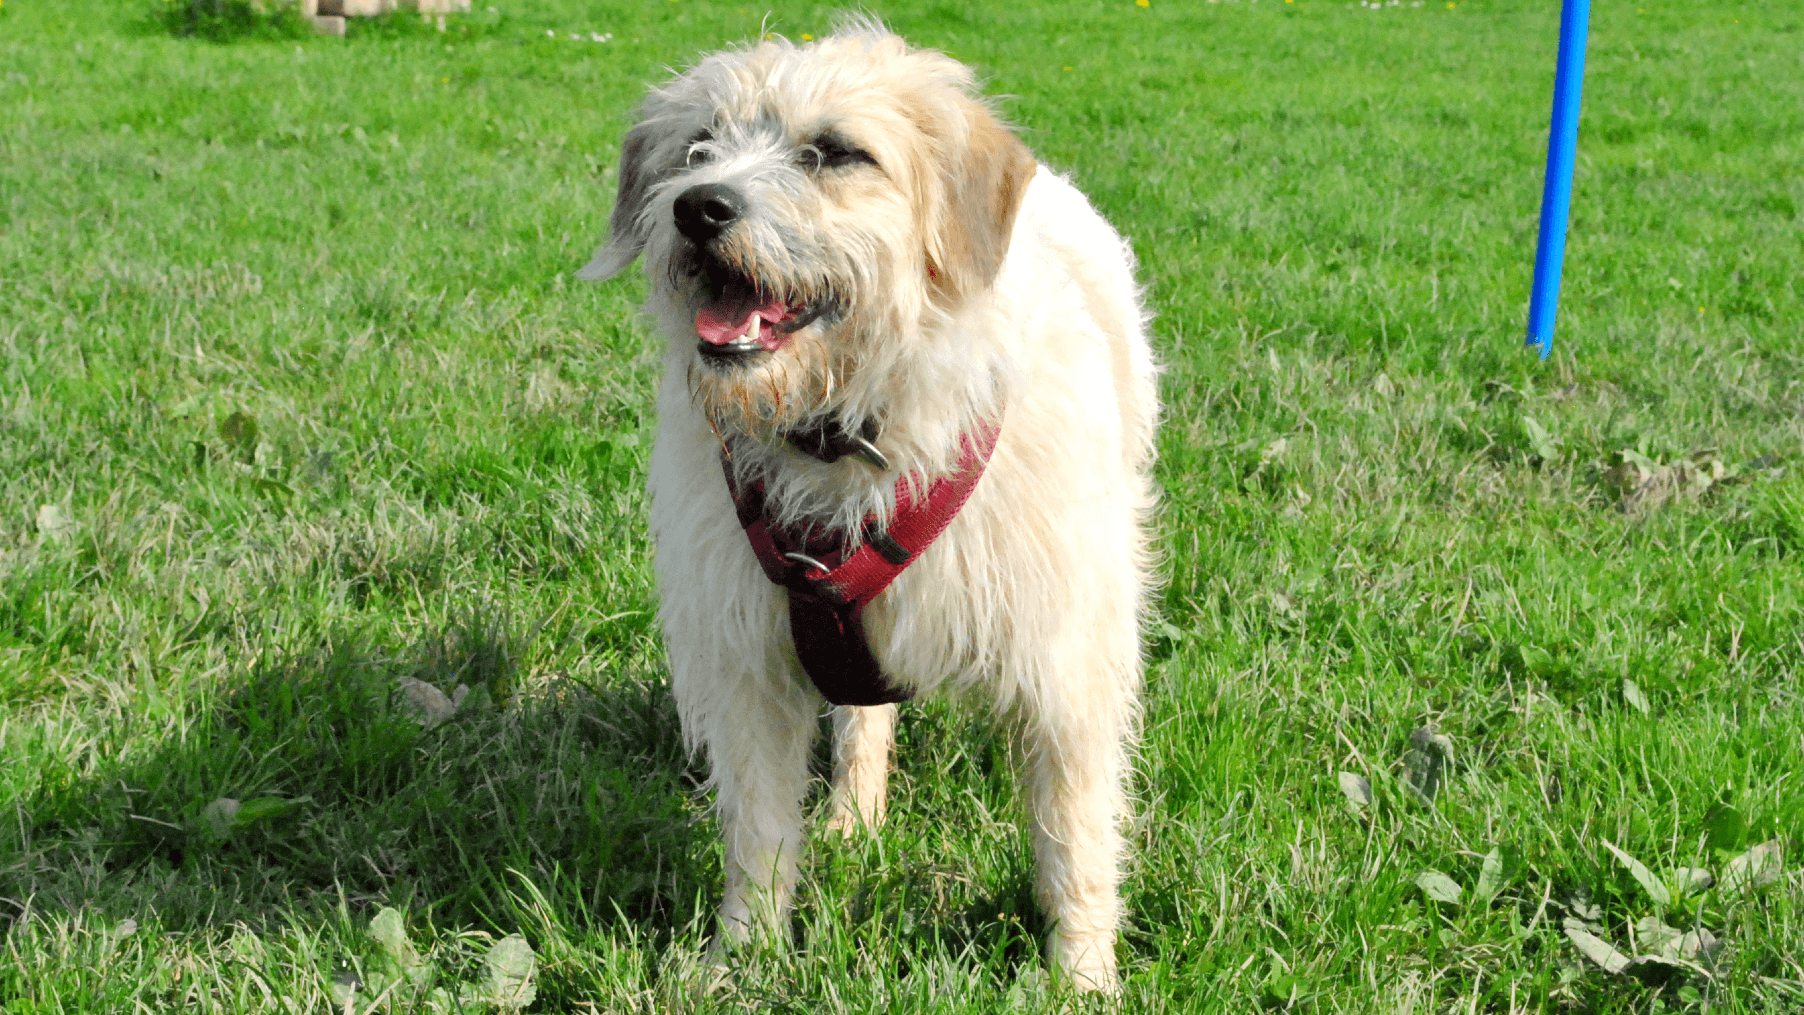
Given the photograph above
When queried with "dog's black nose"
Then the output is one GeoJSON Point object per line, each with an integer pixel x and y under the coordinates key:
{"type": "Point", "coordinates": [707, 210]}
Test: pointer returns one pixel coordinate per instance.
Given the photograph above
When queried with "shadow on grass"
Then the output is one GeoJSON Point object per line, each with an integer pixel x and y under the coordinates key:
{"type": "Point", "coordinates": [580, 789]}
{"type": "Point", "coordinates": [877, 900]}
{"type": "Point", "coordinates": [568, 812]}
{"type": "Point", "coordinates": [948, 882]}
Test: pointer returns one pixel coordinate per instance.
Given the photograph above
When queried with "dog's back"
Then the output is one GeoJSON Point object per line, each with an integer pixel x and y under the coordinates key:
{"type": "Point", "coordinates": [1057, 218]}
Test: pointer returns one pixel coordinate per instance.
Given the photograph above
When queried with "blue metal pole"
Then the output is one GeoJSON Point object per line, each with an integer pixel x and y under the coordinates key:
{"type": "Point", "coordinates": [1556, 193]}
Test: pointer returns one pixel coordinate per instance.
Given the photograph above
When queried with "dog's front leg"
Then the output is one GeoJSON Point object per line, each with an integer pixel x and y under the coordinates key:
{"type": "Point", "coordinates": [861, 744]}
{"type": "Point", "coordinates": [758, 740]}
{"type": "Point", "coordinates": [1077, 762]}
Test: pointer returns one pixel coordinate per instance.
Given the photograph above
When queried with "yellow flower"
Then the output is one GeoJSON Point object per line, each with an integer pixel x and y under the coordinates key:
{"type": "Point", "coordinates": [444, 81]}
{"type": "Point", "coordinates": [1143, 3]}
{"type": "Point", "coordinates": [1067, 68]}
{"type": "Point", "coordinates": [1452, 6]}
{"type": "Point", "coordinates": [807, 38]}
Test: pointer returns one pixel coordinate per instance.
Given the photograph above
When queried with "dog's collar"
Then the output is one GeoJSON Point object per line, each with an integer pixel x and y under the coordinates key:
{"type": "Point", "coordinates": [827, 439]}
{"type": "Point", "coordinates": [829, 585]}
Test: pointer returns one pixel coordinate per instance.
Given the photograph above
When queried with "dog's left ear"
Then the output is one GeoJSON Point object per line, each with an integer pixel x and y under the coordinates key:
{"type": "Point", "coordinates": [984, 187]}
{"type": "Point", "coordinates": [626, 231]}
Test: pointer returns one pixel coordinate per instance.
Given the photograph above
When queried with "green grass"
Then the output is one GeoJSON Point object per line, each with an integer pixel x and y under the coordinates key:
{"type": "Point", "coordinates": [298, 400]}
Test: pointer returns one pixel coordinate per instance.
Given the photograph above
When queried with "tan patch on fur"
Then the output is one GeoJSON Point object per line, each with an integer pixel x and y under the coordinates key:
{"type": "Point", "coordinates": [985, 186]}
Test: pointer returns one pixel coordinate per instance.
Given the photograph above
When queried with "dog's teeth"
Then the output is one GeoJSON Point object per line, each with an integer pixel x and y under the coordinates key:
{"type": "Point", "coordinates": [752, 335]}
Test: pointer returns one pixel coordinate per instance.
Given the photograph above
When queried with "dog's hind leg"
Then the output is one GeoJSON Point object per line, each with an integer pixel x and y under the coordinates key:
{"type": "Point", "coordinates": [861, 746]}
{"type": "Point", "coordinates": [758, 746]}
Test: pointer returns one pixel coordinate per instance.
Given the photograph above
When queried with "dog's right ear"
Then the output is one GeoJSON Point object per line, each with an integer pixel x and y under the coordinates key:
{"type": "Point", "coordinates": [626, 228]}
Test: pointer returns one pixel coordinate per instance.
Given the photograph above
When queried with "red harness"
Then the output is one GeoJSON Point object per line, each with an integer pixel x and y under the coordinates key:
{"type": "Point", "coordinates": [829, 588]}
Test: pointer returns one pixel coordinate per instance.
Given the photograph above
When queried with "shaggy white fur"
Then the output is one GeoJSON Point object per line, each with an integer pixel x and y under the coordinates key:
{"type": "Point", "coordinates": [904, 261]}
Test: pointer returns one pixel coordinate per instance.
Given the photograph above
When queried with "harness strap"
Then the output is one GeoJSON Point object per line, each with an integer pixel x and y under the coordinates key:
{"type": "Point", "coordinates": [826, 603]}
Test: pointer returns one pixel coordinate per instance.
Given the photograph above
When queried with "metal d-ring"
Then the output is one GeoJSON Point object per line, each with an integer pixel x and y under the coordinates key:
{"type": "Point", "coordinates": [803, 558]}
{"type": "Point", "coordinates": [869, 452]}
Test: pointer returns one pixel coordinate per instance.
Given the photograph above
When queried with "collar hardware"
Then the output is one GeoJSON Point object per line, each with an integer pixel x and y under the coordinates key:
{"type": "Point", "coordinates": [827, 439]}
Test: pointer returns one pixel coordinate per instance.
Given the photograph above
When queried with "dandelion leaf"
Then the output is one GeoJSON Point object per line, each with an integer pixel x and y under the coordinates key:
{"type": "Point", "coordinates": [1425, 763]}
{"type": "Point", "coordinates": [1655, 888]}
{"type": "Point", "coordinates": [1758, 866]}
{"type": "Point", "coordinates": [508, 970]}
{"type": "Point", "coordinates": [1438, 886]}
{"type": "Point", "coordinates": [218, 818]}
{"type": "Point", "coordinates": [1595, 948]}
{"type": "Point", "coordinates": [1356, 788]}
{"type": "Point", "coordinates": [1491, 876]}
{"type": "Point", "coordinates": [1632, 693]}
{"type": "Point", "coordinates": [427, 703]}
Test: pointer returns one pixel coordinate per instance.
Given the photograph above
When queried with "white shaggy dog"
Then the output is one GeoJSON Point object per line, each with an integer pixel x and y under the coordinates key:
{"type": "Point", "coordinates": [887, 323]}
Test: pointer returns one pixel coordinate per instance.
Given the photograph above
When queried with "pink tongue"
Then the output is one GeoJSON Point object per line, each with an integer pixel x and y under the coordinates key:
{"type": "Point", "coordinates": [730, 317]}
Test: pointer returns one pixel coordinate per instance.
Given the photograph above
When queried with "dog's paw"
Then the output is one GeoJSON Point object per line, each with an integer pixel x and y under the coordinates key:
{"type": "Point", "coordinates": [850, 821]}
{"type": "Point", "coordinates": [844, 821]}
{"type": "Point", "coordinates": [1087, 963]}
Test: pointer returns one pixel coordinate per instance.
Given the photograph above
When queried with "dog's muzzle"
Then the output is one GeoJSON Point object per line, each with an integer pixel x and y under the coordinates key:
{"type": "Point", "coordinates": [732, 328]}
{"type": "Point", "coordinates": [743, 319]}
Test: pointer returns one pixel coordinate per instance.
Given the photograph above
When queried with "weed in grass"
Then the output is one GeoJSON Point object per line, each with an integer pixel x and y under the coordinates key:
{"type": "Point", "coordinates": [229, 20]}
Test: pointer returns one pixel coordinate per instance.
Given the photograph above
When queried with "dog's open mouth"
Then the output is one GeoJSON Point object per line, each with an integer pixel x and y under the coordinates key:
{"type": "Point", "coordinates": [743, 319]}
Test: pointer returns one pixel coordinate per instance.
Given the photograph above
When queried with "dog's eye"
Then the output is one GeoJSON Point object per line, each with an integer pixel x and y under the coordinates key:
{"type": "Point", "coordinates": [831, 152]}
{"type": "Point", "coordinates": [695, 154]}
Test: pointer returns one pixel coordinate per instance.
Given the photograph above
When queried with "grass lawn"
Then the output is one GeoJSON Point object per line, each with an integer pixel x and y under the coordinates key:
{"type": "Point", "coordinates": [1465, 659]}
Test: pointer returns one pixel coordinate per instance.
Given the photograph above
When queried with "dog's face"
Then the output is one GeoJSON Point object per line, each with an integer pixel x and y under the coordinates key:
{"type": "Point", "coordinates": [803, 209]}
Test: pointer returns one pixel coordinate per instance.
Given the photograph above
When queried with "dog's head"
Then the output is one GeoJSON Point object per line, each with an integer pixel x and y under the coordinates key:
{"type": "Point", "coordinates": [803, 209]}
